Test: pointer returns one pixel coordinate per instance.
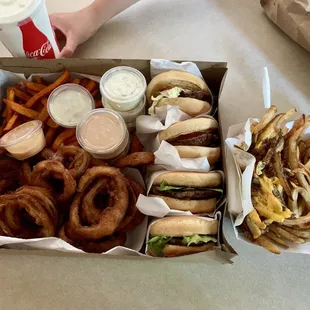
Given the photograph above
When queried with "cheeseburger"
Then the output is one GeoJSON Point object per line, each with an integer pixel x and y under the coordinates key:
{"type": "Point", "coordinates": [176, 88]}
{"type": "Point", "coordinates": [181, 235]}
{"type": "Point", "coordinates": [193, 138]}
{"type": "Point", "coordinates": [196, 192]}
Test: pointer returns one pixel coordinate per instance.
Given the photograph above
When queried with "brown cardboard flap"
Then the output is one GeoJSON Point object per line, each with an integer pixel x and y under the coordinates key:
{"type": "Point", "coordinates": [213, 72]}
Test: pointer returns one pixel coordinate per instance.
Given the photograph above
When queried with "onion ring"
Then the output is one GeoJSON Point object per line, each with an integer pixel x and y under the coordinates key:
{"type": "Point", "coordinates": [136, 159]}
{"type": "Point", "coordinates": [98, 246]}
{"type": "Point", "coordinates": [110, 217]}
{"type": "Point", "coordinates": [29, 212]}
{"type": "Point", "coordinates": [75, 159]}
{"type": "Point", "coordinates": [47, 171]}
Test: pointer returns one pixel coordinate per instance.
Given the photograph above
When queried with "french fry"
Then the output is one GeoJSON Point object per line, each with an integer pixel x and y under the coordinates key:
{"type": "Point", "coordinates": [31, 92]}
{"type": "Point", "coordinates": [305, 234]}
{"type": "Point", "coordinates": [267, 244]}
{"type": "Point", "coordinates": [67, 133]}
{"type": "Point", "coordinates": [285, 234]}
{"type": "Point", "coordinates": [136, 145]}
{"type": "Point", "coordinates": [271, 235]}
{"type": "Point", "coordinates": [255, 231]}
{"type": "Point", "coordinates": [21, 109]}
{"type": "Point", "coordinates": [95, 92]}
{"type": "Point", "coordinates": [48, 89]}
{"type": "Point", "coordinates": [253, 215]}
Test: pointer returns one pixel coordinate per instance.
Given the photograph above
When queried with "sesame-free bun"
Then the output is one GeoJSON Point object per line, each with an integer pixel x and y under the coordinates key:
{"type": "Point", "coordinates": [190, 106]}
{"type": "Point", "coordinates": [181, 226]}
{"type": "Point", "coordinates": [211, 153]}
{"type": "Point", "coordinates": [170, 79]}
{"type": "Point", "coordinates": [178, 250]}
{"type": "Point", "coordinates": [188, 126]}
{"type": "Point", "coordinates": [189, 179]}
{"type": "Point", "coordinates": [194, 206]}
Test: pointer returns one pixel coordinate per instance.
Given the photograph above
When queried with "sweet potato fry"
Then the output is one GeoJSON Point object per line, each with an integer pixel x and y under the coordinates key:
{"type": "Point", "coordinates": [50, 136]}
{"type": "Point", "coordinates": [91, 85]}
{"type": "Point", "coordinates": [12, 122]}
{"type": "Point", "coordinates": [98, 104]}
{"type": "Point", "coordinates": [21, 109]}
{"type": "Point", "coordinates": [39, 80]}
{"type": "Point", "coordinates": [48, 89]}
{"type": "Point", "coordinates": [43, 116]}
{"type": "Point", "coordinates": [10, 95]}
{"type": "Point", "coordinates": [31, 92]}
{"type": "Point", "coordinates": [75, 81]}
{"type": "Point", "coordinates": [95, 92]}
{"type": "Point", "coordinates": [21, 95]}
{"type": "Point", "coordinates": [50, 123]}
{"type": "Point", "coordinates": [34, 86]}
{"type": "Point", "coordinates": [84, 82]}
{"type": "Point", "coordinates": [67, 133]}
{"type": "Point", "coordinates": [136, 145]}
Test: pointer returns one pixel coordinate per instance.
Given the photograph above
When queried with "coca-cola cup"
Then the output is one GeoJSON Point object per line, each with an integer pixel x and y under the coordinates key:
{"type": "Point", "coordinates": [25, 29]}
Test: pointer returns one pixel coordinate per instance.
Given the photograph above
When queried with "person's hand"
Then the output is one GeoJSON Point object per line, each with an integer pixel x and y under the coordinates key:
{"type": "Point", "coordinates": [77, 28]}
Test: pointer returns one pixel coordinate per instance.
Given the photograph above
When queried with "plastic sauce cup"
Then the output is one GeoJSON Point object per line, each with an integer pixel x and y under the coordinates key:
{"type": "Point", "coordinates": [103, 133]}
{"type": "Point", "coordinates": [25, 140]}
{"type": "Point", "coordinates": [122, 88]}
{"type": "Point", "coordinates": [130, 116]}
{"type": "Point", "coordinates": [68, 103]}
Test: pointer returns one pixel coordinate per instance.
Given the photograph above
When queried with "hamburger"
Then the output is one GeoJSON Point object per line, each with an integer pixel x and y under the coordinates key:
{"type": "Point", "coordinates": [196, 192]}
{"type": "Point", "coordinates": [193, 138]}
{"type": "Point", "coordinates": [181, 235]}
{"type": "Point", "coordinates": [176, 88]}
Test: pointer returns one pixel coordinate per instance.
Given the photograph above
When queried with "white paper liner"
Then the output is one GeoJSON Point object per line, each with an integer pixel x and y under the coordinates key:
{"type": "Point", "coordinates": [157, 207]}
{"type": "Point", "coordinates": [240, 167]}
{"type": "Point", "coordinates": [217, 215]}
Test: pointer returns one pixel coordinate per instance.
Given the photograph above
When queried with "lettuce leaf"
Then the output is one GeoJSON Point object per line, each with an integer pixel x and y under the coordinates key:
{"type": "Point", "coordinates": [165, 187]}
{"type": "Point", "coordinates": [170, 93]}
{"type": "Point", "coordinates": [157, 244]}
{"type": "Point", "coordinates": [195, 239]}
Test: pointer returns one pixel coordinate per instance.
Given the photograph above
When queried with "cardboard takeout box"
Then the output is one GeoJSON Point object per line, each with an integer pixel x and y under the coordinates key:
{"type": "Point", "coordinates": [213, 72]}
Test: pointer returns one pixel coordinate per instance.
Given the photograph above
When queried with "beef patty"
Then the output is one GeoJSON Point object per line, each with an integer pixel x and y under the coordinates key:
{"type": "Point", "coordinates": [209, 138]}
{"type": "Point", "coordinates": [200, 95]}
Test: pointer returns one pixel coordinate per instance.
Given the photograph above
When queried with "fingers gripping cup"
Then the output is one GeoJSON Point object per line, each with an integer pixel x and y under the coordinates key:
{"type": "Point", "coordinates": [25, 29]}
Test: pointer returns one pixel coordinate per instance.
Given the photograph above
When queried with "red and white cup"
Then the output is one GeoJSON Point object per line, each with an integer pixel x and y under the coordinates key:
{"type": "Point", "coordinates": [25, 29]}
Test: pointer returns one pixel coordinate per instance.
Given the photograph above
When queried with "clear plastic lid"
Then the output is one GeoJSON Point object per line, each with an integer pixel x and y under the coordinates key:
{"type": "Point", "coordinates": [20, 133]}
{"type": "Point", "coordinates": [102, 131]}
{"type": "Point", "coordinates": [68, 103]}
{"type": "Point", "coordinates": [123, 87]}
{"type": "Point", "coordinates": [130, 116]}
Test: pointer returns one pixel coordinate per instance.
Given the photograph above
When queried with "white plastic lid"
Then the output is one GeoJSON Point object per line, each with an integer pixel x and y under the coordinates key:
{"type": "Point", "coordinates": [20, 133]}
{"type": "Point", "coordinates": [102, 131]}
{"type": "Point", "coordinates": [13, 11]}
{"type": "Point", "coordinates": [123, 87]}
{"type": "Point", "coordinates": [68, 104]}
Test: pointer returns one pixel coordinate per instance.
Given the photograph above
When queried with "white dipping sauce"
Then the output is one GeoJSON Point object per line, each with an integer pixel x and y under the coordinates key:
{"type": "Point", "coordinates": [68, 104]}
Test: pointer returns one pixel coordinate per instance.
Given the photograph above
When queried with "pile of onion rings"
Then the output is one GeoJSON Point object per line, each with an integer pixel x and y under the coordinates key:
{"type": "Point", "coordinates": [94, 226]}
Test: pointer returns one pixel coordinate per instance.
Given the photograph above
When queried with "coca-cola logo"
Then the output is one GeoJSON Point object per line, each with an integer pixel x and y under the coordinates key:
{"type": "Point", "coordinates": [41, 52]}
